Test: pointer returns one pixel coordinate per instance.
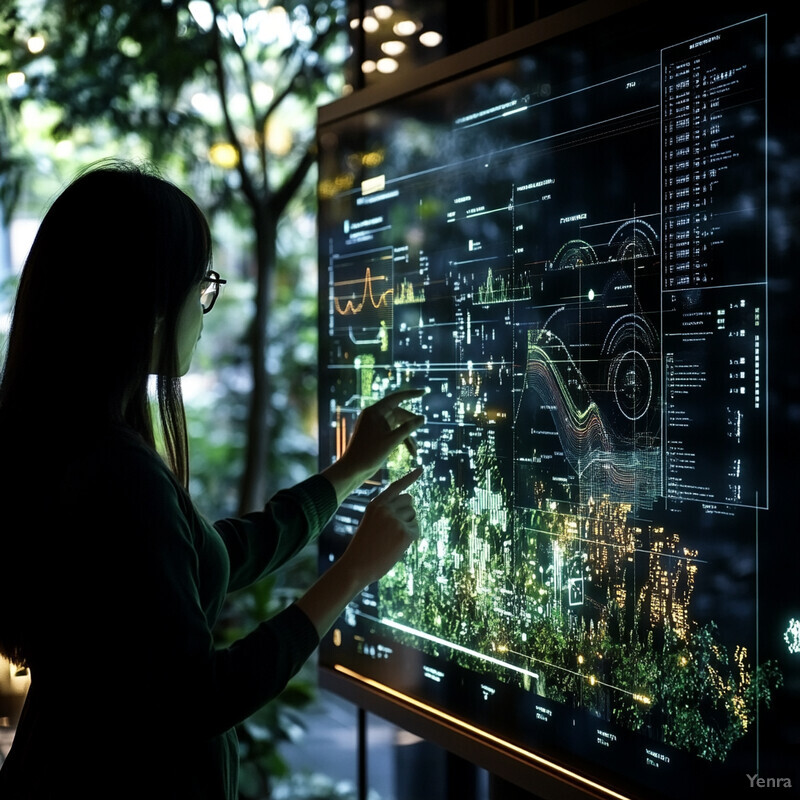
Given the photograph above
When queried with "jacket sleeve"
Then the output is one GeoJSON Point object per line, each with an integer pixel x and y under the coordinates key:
{"type": "Point", "coordinates": [144, 577]}
{"type": "Point", "coordinates": [260, 542]}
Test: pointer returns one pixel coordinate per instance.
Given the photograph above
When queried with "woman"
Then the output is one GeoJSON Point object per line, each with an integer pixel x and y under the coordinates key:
{"type": "Point", "coordinates": [110, 579]}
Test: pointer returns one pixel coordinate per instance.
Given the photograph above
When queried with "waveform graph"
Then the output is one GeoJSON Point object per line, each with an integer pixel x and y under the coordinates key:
{"type": "Point", "coordinates": [595, 364]}
{"type": "Point", "coordinates": [362, 299]}
{"type": "Point", "coordinates": [499, 289]}
{"type": "Point", "coordinates": [407, 293]}
{"type": "Point", "coordinates": [556, 382]}
{"type": "Point", "coordinates": [604, 457]}
{"type": "Point", "coordinates": [370, 298]}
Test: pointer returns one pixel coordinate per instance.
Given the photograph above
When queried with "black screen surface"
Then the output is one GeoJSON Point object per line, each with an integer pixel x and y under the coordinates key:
{"type": "Point", "coordinates": [586, 249]}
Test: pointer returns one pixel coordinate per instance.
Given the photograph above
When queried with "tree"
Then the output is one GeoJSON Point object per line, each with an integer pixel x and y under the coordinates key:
{"type": "Point", "coordinates": [12, 162]}
{"type": "Point", "coordinates": [205, 85]}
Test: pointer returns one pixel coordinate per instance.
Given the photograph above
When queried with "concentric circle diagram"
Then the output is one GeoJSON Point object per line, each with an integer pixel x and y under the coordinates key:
{"type": "Point", "coordinates": [575, 253]}
{"type": "Point", "coordinates": [631, 382]}
{"type": "Point", "coordinates": [631, 344]}
{"type": "Point", "coordinates": [629, 349]}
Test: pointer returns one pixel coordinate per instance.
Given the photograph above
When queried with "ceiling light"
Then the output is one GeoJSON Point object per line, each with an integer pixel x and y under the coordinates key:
{"type": "Point", "coordinates": [430, 38]}
{"type": "Point", "coordinates": [393, 48]}
{"type": "Point", "coordinates": [386, 65]}
{"type": "Point", "coordinates": [405, 27]}
{"type": "Point", "coordinates": [371, 24]}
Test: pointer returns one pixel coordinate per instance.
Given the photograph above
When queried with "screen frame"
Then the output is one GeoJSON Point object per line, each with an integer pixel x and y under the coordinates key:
{"type": "Point", "coordinates": [526, 769]}
{"type": "Point", "coordinates": [480, 56]}
{"type": "Point", "coordinates": [552, 781]}
{"type": "Point", "coordinates": [499, 758]}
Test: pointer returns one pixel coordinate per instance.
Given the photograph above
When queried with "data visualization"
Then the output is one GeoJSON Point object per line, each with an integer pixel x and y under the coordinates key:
{"type": "Point", "coordinates": [573, 251]}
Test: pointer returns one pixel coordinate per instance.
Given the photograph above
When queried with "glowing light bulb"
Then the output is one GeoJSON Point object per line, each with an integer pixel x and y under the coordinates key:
{"type": "Point", "coordinates": [405, 27]}
{"type": "Point", "coordinates": [36, 44]}
{"type": "Point", "coordinates": [387, 65]}
{"type": "Point", "coordinates": [430, 39]}
{"type": "Point", "coordinates": [393, 48]}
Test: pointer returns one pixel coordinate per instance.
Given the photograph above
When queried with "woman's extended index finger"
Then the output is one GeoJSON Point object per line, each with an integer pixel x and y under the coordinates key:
{"type": "Point", "coordinates": [401, 395]}
{"type": "Point", "coordinates": [401, 484]}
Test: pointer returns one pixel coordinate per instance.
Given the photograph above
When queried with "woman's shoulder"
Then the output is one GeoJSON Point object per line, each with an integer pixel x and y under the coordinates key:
{"type": "Point", "coordinates": [115, 442]}
{"type": "Point", "coordinates": [119, 466]}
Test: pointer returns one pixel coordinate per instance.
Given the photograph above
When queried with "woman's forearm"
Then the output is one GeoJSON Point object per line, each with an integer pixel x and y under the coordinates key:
{"type": "Point", "coordinates": [329, 596]}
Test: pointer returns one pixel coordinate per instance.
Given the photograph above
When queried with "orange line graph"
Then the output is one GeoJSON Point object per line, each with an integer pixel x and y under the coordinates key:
{"type": "Point", "coordinates": [341, 434]}
{"type": "Point", "coordinates": [352, 308]}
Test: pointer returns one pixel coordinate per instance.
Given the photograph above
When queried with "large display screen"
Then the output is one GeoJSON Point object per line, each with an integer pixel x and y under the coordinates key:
{"type": "Point", "coordinates": [586, 249]}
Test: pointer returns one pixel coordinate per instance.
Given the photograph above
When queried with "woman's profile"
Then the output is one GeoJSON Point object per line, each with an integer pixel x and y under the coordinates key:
{"type": "Point", "coordinates": [111, 580]}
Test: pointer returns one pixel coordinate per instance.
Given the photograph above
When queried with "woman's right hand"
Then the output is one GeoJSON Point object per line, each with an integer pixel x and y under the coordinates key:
{"type": "Point", "coordinates": [388, 527]}
{"type": "Point", "coordinates": [378, 430]}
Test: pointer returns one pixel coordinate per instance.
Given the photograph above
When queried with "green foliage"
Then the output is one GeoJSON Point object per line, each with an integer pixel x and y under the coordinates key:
{"type": "Point", "coordinates": [135, 64]}
{"type": "Point", "coordinates": [698, 698]}
{"type": "Point", "coordinates": [708, 702]}
{"type": "Point", "coordinates": [13, 162]}
{"type": "Point", "coordinates": [181, 83]}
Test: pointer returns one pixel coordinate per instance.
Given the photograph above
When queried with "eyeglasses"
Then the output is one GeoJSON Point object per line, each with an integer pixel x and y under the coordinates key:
{"type": "Point", "coordinates": [209, 290]}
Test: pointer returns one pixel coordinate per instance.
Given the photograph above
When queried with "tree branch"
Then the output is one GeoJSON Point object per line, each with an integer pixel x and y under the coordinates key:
{"type": "Point", "coordinates": [248, 188]}
{"type": "Point", "coordinates": [258, 125]}
{"type": "Point", "coordinates": [279, 200]}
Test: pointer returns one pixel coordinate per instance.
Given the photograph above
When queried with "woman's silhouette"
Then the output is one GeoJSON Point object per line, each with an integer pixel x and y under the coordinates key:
{"type": "Point", "coordinates": [110, 579]}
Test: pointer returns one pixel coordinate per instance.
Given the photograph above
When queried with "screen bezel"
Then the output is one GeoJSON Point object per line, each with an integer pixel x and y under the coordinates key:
{"type": "Point", "coordinates": [552, 780]}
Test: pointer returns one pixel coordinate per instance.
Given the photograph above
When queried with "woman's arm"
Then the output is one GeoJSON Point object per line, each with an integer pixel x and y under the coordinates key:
{"type": "Point", "coordinates": [260, 542]}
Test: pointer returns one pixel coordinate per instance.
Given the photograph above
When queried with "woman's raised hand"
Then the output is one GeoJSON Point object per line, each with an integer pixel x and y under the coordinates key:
{"type": "Point", "coordinates": [378, 430]}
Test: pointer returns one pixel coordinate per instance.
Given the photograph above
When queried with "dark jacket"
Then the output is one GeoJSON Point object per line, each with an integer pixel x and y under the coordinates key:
{"type": "Point", "coordinates": [129, 696]}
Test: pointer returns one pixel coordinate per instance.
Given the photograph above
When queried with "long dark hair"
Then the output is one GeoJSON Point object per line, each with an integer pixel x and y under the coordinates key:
{"type": "Point", "coordinates": [117, 254]}
{"type": "Point", "coordinates": [118, 250]}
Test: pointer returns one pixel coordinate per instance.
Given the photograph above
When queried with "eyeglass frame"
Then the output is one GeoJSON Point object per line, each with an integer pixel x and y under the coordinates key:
{"type": "Point", "coordinates": [214, 279]}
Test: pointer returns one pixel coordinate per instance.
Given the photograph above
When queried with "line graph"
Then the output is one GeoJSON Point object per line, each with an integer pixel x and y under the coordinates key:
{"type": "Point", "coordinates": [352, 305]}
